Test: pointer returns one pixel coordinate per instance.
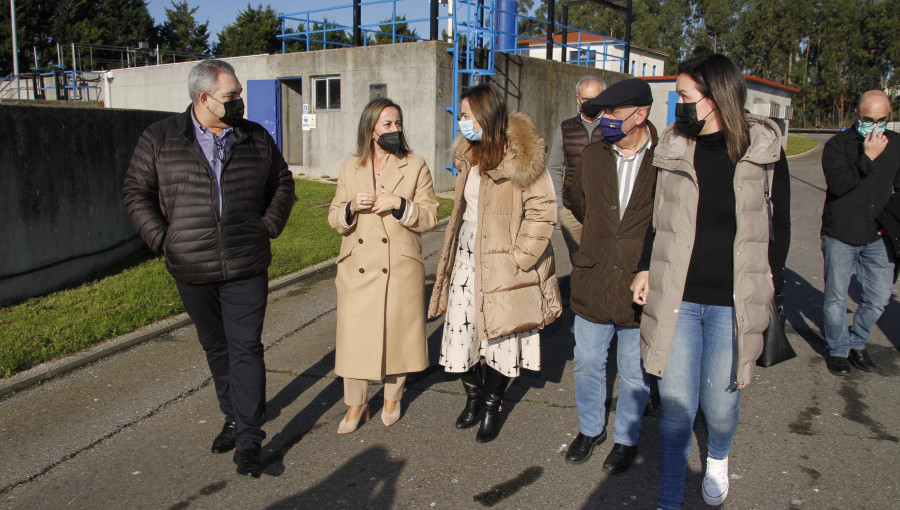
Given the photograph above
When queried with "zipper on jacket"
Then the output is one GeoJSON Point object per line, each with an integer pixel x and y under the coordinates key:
{"type": "Point", "coordinates": [220, 235]}
{"type": "Point", "coordinates": [219, 228]}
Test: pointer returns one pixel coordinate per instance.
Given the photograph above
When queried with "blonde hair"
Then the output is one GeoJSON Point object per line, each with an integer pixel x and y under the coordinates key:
{"type": "Point", "coordinates": [367, 122]}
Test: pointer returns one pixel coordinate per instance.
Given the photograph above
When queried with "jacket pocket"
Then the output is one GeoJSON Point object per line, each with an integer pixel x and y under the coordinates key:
{"type": "Point", "coordinates": [347, 246]}
{"type": "Point", "coordinates": [408, 250]}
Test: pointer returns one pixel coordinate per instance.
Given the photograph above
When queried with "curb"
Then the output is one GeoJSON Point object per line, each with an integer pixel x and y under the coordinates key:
{"type": "Point", "coordinates": [804, 153]}
{"type": "Point", "coordinates": [49, 370]}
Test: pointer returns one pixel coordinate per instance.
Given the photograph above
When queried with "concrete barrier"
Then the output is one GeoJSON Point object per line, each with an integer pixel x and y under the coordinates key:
{"type": "Point", "coordinates": [61, 173]}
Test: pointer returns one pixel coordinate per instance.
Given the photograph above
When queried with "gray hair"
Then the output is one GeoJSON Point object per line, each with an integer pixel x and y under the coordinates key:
{"type": "Point", "coordinates": [204, 75]}
{"type": "Point", "coordinates": [586, 78]}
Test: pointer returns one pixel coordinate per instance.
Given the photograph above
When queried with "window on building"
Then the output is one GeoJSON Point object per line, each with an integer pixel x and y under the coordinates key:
{"type": "Point", "coordinates": [582, 56]}
{"type": "Point", "coordinates": [327, 93]}
{"type": "Point", "coordinates": [633, 63]}
{"type": "Point", "coordinates": [643, 69]}
{"type": "Point", "coordinates": [654, 71]}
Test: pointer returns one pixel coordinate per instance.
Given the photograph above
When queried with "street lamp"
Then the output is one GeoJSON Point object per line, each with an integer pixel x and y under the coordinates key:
{"type": "Point", "coordinates": [15, 47]}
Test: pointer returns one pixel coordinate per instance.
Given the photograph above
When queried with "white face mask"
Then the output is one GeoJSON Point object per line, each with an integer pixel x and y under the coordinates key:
{"type": "Point", "coordinates": [467, 128]}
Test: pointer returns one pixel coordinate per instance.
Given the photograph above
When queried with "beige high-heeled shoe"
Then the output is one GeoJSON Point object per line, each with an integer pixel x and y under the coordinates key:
{"type": "Point", "coordinates": [346, 427]}
{"type": "Point", "coordinates": [390, 418]}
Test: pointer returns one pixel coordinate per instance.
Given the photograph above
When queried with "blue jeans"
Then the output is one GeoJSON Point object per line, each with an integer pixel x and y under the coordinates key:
{"type": "Point", "coordinates": [698, 371]}
{"type": "Point", "coordinates": [592, 342]}
{"type": "Point", "coordinates": [874, 266]}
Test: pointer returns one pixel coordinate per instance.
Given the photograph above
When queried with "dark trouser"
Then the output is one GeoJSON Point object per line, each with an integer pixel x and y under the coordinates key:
{"type": "Point", "coordinates": [229, 319]}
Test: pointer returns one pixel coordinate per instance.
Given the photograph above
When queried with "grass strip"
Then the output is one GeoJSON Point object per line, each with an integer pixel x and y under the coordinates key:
{"type": "Point", "coordinates": [799, 144]}
{"type": "Point", "coordinates": [141, 291]}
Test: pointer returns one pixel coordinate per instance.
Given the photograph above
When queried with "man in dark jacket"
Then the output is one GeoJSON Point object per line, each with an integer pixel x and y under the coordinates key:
{"type": "Point", "coordinates": [571, 137]}
{"type": "Point", "coordinates": [209, 189]}
{"type": "Point", "coordinates": [862, 169]}
{"type": "Point", "coordinates": [612, 195]}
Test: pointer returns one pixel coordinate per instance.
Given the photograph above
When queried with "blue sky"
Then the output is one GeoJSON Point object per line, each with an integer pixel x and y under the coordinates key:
{"type": "Point", "coordinates": [223, 12]}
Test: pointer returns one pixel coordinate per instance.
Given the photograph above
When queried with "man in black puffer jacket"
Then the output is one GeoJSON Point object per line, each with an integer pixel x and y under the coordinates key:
{"type": "Point", "coordinates": [209, 189]}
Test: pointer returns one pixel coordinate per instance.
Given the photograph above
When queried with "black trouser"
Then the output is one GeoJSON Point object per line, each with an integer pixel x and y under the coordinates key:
{"type": "Point", "coordinates": [229, 319]}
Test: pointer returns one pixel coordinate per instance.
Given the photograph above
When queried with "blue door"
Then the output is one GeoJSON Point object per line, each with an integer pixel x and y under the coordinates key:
{"type": "Point", "coordinates": [263, 106]}
{"type": "Point", "coordinates": [670, 113]}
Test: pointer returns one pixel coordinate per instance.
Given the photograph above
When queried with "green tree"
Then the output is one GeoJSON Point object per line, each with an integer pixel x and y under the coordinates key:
{"type": "Point", "coordinates": [181, 32]}
{"type": "Point", "coordinates": [402, 31]}
{"type": "Point", "coordinates": [659, 24]}
{"type": "Point", "coordinates": [331, 36]}
{"type": "Point", "coordinates": [254, 31]}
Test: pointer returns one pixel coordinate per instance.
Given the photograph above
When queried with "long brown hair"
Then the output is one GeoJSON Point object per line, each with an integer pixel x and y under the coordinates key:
{"type": "Point", "coordinates": [367, 122]}
{"type": "Point", "coordinates": [719, 79]}
{"type": "Point", "coordinates": [489, 108]}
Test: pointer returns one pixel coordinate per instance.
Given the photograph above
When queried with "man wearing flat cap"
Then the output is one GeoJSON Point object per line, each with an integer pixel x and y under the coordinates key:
{"type": "Point", "coordinates": [612, 196]}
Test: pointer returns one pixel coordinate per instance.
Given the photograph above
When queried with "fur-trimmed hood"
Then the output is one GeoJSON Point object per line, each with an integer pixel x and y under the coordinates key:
{"type": "Point", "coordinates": [523, 160]}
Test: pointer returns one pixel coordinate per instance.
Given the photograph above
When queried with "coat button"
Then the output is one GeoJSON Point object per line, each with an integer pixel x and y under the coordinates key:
{"type": "Point", "coordinates": [384, 240]}
{"type": "Point", "coordinates": [613, 207]}
{"type": "Point", "coordinates": [615, 268]}
{"type": "Point", "coordinates": [384, 270]}
{"type": "Point", "coordinates": [361, 270]}
{"type": "Point", "coordinates": [619, 238]}
{"type": "Point", "coordinates": [359, 241]}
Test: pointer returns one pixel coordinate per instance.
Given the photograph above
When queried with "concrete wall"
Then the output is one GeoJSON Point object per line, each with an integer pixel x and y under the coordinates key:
{"type": "Point", "coordinates": [418, 76]}
{"type": "Point", "coordinates": [543, 89]}
{"type": "Point", "coordinates": [409, 71]}
{"type": "Point", "coordinates": [61, 173]}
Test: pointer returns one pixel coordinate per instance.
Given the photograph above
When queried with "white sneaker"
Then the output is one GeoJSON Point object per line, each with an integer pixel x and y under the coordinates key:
{"type": "Point", "coordinates": [715, 483]}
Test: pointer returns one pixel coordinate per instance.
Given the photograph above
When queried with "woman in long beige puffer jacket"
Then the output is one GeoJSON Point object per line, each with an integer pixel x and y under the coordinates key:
{"type": "Point", "coordinates": [496, 277]}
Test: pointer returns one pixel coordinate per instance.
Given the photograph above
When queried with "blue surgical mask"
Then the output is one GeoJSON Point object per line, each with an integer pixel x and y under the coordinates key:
{"type": "Point", "coordinates": [467, 128]}
{"type": "Point", "coordinates": [864, 128]}
{"type": "Point", "coordinates": [612, 128]}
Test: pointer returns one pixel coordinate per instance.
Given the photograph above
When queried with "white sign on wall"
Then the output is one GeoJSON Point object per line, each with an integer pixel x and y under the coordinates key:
{"type": "Point", "coordinates": [305, 107]}
{"type": "Point", "coordinates": [309, 121]}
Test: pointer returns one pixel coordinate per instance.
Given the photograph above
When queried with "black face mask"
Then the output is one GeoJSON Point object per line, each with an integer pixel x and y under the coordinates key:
{"type": "Point", "coordinates": [234, 111]}
{"type": "Point", "coordinates": [390, 142]}
{"type": "Point", "coordinates": [686, 119]}
{"type": "Point", "coordinates": [590, 110]}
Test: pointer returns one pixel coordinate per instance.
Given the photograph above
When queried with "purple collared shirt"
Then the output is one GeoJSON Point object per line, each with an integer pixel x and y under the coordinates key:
{"type": "Point", "coordinates": [208, 142]}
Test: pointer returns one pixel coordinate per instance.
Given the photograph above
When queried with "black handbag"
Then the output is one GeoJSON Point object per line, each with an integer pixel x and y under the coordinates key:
{"type": "Point", "coordinates": [776, 347]}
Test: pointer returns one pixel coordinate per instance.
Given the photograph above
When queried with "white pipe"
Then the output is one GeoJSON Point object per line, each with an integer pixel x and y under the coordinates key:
{"type": "Point", "coordinates": [107, 97]}
{"type": "Point", "coordinates": [15, 47]}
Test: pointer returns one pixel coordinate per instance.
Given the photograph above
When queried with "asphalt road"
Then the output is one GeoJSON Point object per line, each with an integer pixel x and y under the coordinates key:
{"type": "Point", "coordinates": [133, 430]}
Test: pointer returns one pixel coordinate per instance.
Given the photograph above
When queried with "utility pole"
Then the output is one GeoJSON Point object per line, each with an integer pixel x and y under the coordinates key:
{"type": "Point", "coordinates": [15, 47]}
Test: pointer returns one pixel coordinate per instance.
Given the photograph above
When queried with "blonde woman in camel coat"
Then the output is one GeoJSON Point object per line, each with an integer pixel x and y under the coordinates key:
{"type": "Point", "coordinates": [384, 201]}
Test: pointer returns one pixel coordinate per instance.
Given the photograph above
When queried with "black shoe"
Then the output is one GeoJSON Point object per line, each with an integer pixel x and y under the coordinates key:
{"type": "Point", "coordinates": [581, 448]}
{"type": "Point", "coordinates": [619, 459]}
{"type": "Point", "coordinates": [224, 442]}
{"type": "Point", "coordinates": [495, 385]}
{"type": "Point", "coordinates": [838, 365]}
{"type": "Point", "coordinates": [861, 360]}
{"type": "Point", "coordinates": [473, 383]}
{"type": "Point", "coordinates": [248, 463]}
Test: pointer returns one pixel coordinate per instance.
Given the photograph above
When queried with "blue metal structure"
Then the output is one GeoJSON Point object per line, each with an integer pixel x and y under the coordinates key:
{"type": "Point", "coordinates": [480, 29]}
{"type": "Point", "coordinates": [68, 84]}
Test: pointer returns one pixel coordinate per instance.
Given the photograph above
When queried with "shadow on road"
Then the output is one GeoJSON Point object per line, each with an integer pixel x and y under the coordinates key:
{"type": "Point", "coordinates": [306, 420]}
{"type": "Point", "coordinates": [803, 305]}
{"type": "Point", "coordinates": [368, 480]}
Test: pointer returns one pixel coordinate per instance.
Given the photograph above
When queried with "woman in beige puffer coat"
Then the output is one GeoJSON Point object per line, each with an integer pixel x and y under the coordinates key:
{"type": "Point", "coordinates": [496, 277]}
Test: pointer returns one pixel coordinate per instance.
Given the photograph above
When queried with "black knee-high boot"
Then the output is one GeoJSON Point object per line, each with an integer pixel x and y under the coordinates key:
{"type": "Point", "coordinates": [495, 385]}
{"type": "Point", "coordinates": [473, 383]}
